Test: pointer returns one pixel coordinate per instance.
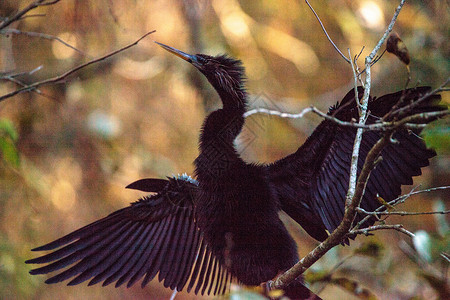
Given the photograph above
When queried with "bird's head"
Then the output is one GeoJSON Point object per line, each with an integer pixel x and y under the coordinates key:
{"type": "Point", "coordinates": [225, 74]}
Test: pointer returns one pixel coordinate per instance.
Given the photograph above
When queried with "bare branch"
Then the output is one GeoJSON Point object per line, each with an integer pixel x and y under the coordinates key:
{"type": "Point", "coordinates": [33, 16]}
{"type": "Point", "coordinates": [282, 114]}
{"type": "Point", "coordinates": [401, 213]}
{"type": "Point", "coordinates": [39, 35]}
{"type": "Point", "coordinates": [355, 80]}
{"type": "Point", "coordinates": [366, 231]}
{"type": "Point", "coordinates": [356, 187]}
{"type": "Point", "coordinates": [7, 21]}
{"type": "Point", "coordinates": [336, 237]}
{"type": "Point", "coordinates": [326, 33]}
{"type": "Point", "coordinates": [400, 111]}
{"type": "Point", "coordinates": [71, 71]}
{"type": "Point", "coordinates": [445, 256]}
{"type": "Point", "coordinates": [8, 74]}
{"type": "Point", "coordinates": [20, 83]}
{"type": "Point", "coordinates": [381, 126]}
{"type": "Point", "coordinates": [400, 200]}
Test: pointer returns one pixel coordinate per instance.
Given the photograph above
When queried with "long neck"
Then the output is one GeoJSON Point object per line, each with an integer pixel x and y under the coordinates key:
{"type": "Point", "coordinates": [222, 126]}
{"type": "Point", "coordinates": [220, 129]}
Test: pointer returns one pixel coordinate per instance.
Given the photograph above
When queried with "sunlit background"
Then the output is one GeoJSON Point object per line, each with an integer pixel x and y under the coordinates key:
{"type": "Point", "coordinates": [77, 144]}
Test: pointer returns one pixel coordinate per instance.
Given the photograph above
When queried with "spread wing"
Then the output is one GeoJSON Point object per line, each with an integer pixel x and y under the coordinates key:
{"type": "Point", "coordinates": [318, 173]}
{"type": "Point", "coordinates": [156, 234]}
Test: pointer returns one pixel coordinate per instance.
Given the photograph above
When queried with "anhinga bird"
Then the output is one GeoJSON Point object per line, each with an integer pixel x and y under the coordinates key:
{"type": "Point", "coordinates": [225, 224]}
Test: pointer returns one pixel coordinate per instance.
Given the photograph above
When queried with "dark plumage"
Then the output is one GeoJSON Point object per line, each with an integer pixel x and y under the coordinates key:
{"type": "Point", "coordinates": [200, 233]}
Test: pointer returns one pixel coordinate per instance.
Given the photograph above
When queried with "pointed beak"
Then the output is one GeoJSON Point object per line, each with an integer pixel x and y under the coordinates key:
{"type": "Point", "coordinates": [181, 54]}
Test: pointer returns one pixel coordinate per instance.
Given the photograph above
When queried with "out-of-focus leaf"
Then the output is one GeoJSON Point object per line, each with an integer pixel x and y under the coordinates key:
{"type": "Point", "coordinates": [354, 288]}
{"type": "Point", "coordinates": [370, 248]}
{"type": "Point", "coordinates": [8, 135]}
{"type": "Point", "coordinates": [422, 244]}
{"type": "Point", "coordinates": [396, 46]}
{"type": "Point", "coordinates": [9, 152]}
{"type": "Point", "coordinates": [439, 245]}
{"type": "Point", "coordinates": [319, 276]}
{"type": "Point", "coordinates": [7, 129]}
{"type": "Point", "coordinates": [437, 136]}
{"type": "Point", "coordinates": [441, 221]}
{"type": "Point", "coordinates": [430, 246]}
{"type": "Point", "coordinates": [15, 282]}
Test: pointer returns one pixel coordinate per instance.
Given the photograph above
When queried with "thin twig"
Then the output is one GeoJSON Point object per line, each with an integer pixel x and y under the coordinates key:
{"type": "Point", "coordinates": [33, 16]}
{"type": "Point", "coordinates": [282, 114]}
{"type": "Point", "coordinates": [71, 71]}
{"type": "Point", "coordinates": [380, 126]}
{"type": "Point", "coordinates": [445, 256]}
{"type": "Point", "coordinates": [355, 82]}
{"type": "Point", "coordinates": [18, 82]}
{"type": "Point", "coordinates": [366, 231]}
{"type": "Point", "coordinates": [402, 213]}
{"type": "Point", "coordinates": [402, 198]}
{"type": "Point", "coordinates": [6, 22]}
{"type": "Point", "coordinates": [399, 200]}
{"type": "Point", "coordinates": [326, 33]}
{"type": "Point", "coordinates": [8, 74]}
{"type": "Point", "coordinates": [39, 35]}
{"type": "Point", "coordinates": [376, 59]}
{"type": "Point", "coordinates": [398, 112]}
{"type": "Point", "coordinates": [355, 62]}
{"type": "Point", "coordinates": [359, 54]}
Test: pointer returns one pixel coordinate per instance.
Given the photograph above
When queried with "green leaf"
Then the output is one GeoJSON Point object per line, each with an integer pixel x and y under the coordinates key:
{"type": "Point", "coordinates": [370, 248]}
{"type": "Point", "coordinates": [7, 128]}
{"type": "Point", "coordinates": [437, 136]}
{"type": "Point", "coordinates": [9, 152]}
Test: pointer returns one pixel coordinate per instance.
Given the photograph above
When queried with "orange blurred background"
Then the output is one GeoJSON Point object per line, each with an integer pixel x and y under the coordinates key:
{"type": "Point", "coordinates": [138, 114]}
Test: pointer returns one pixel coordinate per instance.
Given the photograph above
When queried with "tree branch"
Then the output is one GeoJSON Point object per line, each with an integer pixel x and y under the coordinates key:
{"type": "Point", "coordinates": [7, 21]}
{"type": "Point", "coordinates": [356, 185]}
{"type": "Point", "coordinates": [399, 200]}
{"type": "Point", "coordinates": [39, 35]}
{"type": "Point", "coordinates": [379, 126]}
{"type": "Point", "coordinates": [365, 231]}
{"type": "Point", "coordinates": [398, 112]}
{"type": "Point", "coordinates": [326, 33]}
{"type": "Point", "coordinates": [71, 71]}
{"type": "Point", "coordinates": [401, 213]}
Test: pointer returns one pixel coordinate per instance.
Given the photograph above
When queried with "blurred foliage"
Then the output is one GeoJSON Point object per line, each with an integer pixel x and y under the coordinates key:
{"type": "Point", "coordinates": [8, 137]}
{"type": "Point", "coordinates": [437, 136]}
{"type": "Point", "coordinates": [69, 150]}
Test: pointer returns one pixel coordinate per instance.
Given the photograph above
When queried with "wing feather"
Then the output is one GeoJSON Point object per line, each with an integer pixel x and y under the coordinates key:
{"type": "Point", "coordinates": [155, 235]}
{"type": "Point", "coordinates": [318, 172]}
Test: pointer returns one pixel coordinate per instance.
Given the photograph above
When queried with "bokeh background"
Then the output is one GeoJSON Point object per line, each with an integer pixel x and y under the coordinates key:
{"type": "Point", "coordinates": [68, 153]}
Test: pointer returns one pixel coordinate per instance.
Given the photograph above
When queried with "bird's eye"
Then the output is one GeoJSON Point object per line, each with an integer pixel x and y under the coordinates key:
{"type": "Point", "coordinates": [201, 60]}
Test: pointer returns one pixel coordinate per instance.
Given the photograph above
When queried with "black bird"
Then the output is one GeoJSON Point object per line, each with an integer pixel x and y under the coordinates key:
{"type": "Point", "coordinates": [225, 224]}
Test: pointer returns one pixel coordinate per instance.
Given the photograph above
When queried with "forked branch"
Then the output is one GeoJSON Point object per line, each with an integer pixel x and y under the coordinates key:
{"type": "Point", "coordinates": [63, 76]}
